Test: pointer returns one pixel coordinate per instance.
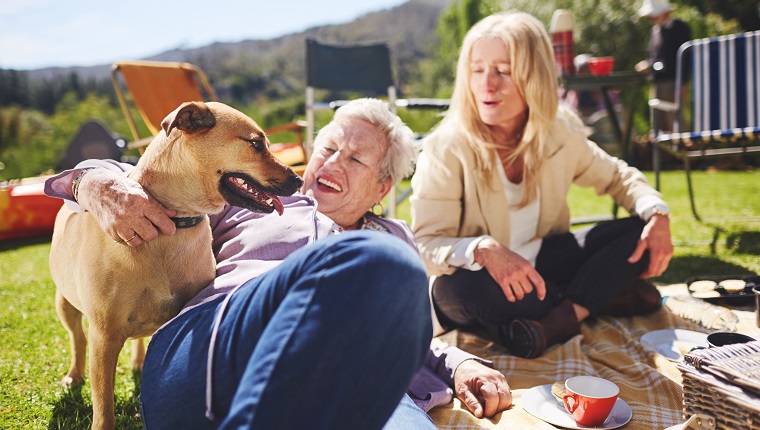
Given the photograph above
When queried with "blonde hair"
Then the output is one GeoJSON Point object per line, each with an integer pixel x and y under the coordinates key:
{"type": "Point", "coordinates": [535, 76]}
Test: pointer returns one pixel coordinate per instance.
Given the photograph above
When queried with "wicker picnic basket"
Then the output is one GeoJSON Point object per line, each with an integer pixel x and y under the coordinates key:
{"type": "Point", "coordinates": [723, 383]}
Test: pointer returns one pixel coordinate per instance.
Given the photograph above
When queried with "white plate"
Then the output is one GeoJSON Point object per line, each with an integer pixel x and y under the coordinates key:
{"type": "Point", "coordinates": [671, 342]}
{"type": "Point", "coordinates": [542, 404]}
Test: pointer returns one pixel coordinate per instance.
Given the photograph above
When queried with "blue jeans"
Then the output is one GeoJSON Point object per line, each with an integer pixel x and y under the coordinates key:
{"type": "Point", "coordinates": [408, 416]}
{"type": "Point", "coordinates": [329, 339]}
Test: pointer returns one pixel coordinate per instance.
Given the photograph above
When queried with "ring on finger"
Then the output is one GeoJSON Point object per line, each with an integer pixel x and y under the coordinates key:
{"type": "Point", "coordinates": [133, 236]}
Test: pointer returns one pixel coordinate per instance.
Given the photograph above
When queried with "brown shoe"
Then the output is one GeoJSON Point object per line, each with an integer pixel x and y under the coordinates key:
{"type": "Point", "coordinates": [529, 338]}
{"type": "Point", "coordinates": [641, 298]}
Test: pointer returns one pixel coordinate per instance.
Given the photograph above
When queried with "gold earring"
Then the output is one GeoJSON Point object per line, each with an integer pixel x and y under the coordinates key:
{"type": "Point", "coordinates": [382, 209]}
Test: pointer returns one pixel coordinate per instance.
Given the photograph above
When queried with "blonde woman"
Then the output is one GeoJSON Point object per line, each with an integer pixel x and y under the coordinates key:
{"type": "Point", "coordinates": [490, 212]}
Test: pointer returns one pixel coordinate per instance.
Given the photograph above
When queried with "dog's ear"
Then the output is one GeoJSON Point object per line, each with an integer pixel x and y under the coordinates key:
{"type": "Point", "coordinates": [189, 117]}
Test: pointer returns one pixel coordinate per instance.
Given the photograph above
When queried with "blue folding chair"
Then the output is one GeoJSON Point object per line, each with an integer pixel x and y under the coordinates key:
{"type": "Point", "coordinates": [725, 76]}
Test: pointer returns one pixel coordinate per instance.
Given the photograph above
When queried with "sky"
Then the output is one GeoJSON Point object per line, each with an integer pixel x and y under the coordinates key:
{"type": "Point", "coordinates": [57, 33]}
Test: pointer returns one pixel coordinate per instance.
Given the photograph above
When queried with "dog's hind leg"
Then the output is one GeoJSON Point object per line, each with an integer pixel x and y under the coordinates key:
{"type": "Point", "coordinates": [104, 356]}
{"type": "Point", "coordinates": [72, 321]}
{"type": "Point", "coordinates": [138, 353]}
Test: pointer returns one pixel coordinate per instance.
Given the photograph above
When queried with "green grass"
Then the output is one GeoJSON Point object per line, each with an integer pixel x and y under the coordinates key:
{"type": "Point", "coordinates": [34, 350]}
{"type": "Point", "coordinates": [726, 241]}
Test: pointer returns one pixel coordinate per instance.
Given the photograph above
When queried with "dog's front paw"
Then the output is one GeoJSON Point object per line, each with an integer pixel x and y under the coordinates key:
{"type": "Point", "coordinates": [71, 381]}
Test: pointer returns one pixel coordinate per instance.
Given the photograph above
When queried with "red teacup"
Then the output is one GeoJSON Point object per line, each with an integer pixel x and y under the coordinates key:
{"type": "Point", "coordinates": [590, 399]}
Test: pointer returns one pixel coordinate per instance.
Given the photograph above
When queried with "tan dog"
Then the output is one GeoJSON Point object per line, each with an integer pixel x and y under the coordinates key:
{"type": "Point", "coordinates": [207, 155]}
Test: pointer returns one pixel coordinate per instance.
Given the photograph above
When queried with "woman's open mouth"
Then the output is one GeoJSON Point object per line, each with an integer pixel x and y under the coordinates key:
{"type": "Point", "coordinates": [329, 184]}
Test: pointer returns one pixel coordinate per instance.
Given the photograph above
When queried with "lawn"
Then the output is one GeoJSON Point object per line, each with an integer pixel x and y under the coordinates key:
{"type": "Point", "coordinates": [34, 350]}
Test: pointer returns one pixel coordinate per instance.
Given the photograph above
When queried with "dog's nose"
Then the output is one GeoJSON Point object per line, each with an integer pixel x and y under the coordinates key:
{"type": "Point", "coordinates": [296, 181]}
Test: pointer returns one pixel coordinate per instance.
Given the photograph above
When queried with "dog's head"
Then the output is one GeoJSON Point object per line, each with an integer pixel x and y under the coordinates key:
{"type": "Point", "coordinates": [226, 154]}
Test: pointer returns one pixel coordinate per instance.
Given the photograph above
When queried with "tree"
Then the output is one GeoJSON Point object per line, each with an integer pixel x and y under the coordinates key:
{"type": "Point", "coordinates": [32, 142]}
{"type": "Point", "coordinates": [745, 12]}
{"type": "Point", "coordinates": [434, 76]}
{"type": "Point", "coordinates": [14, 88]}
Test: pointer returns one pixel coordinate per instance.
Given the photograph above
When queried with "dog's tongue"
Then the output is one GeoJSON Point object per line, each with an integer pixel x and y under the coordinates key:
{"type": "Point", "coordinates": [277, 204]}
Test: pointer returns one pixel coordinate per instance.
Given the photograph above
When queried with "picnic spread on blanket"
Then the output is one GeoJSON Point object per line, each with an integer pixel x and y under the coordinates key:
{"type": "Point", "coordinates": [642, 355]}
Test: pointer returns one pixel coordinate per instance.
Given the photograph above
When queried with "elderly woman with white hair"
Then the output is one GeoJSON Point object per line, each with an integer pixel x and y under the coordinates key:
{"type": "Point", "coordinates": [490, 211]}
{"type": "Point", "coordinates": [302, 327]}
{"type": "Point", "coordinates": [357, 158]}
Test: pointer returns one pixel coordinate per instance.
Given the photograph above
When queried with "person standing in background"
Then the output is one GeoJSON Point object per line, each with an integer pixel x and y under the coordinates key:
{"type": "Point", "coordinates": [667, 35]}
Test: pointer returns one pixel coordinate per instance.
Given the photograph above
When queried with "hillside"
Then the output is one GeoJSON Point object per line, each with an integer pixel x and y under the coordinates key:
{"type": "Point", "coordinates": [276, 66]}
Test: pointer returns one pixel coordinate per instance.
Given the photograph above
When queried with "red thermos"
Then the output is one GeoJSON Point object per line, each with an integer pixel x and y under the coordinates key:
{"type": "Point", "coordinates": [561, 29]}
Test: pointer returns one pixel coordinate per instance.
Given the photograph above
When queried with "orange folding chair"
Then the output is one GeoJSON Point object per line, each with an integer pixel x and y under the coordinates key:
{"type": "Point", "coordinates": [157, 88]}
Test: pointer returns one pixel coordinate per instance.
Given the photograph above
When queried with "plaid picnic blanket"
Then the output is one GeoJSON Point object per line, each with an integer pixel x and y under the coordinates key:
{"type": "Point", "coordinates": [607, 347]}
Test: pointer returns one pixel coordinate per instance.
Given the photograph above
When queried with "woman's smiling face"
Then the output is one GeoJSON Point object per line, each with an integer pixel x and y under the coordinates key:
{"type": "Point", "coordinates": [342, 174]}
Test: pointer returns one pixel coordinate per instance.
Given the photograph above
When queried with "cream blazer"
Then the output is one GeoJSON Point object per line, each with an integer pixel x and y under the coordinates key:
{"type": "Point", "coordinates": [451, 201]}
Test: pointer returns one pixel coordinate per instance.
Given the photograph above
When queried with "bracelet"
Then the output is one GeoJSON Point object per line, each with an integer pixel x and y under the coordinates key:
{"type": "Point", "coordinates": [75, 184]}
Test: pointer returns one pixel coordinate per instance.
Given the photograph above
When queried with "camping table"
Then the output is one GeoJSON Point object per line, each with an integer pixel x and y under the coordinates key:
{"type": "Point", "coordinates": [629, 81]}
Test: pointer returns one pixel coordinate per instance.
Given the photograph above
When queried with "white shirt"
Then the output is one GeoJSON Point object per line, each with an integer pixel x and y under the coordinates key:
{"type": "Point", "coordinates": [523, 225]}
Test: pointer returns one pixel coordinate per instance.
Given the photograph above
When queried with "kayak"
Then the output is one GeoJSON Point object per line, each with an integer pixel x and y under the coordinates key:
{"type": "Point", "coordinates": [25, 210]}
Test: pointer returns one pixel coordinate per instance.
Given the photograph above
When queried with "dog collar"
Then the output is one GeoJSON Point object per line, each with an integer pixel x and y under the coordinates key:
{"type": "Point", "coordinates": [187, 222]}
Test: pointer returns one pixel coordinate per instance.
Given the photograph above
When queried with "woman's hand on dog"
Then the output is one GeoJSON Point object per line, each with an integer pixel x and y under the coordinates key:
{"type": "Point", "coordinates": [122, 208]}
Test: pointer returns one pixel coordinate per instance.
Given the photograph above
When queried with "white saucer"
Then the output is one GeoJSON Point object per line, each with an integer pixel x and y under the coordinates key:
{"type": "Point", "coordinates": [671, 342]}
{"type": "Point", "coordinates": [542, 404]}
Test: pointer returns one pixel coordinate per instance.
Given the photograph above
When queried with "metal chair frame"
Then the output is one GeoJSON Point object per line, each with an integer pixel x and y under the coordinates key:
{"type": "Point", "coordinates": [158, 87]}
{"type": "Point", "coordinates": [361, 68]}
{"type": "Point", "coordinates": [725, 79]}
{"type": "Point", "coordinates": [171, 83]}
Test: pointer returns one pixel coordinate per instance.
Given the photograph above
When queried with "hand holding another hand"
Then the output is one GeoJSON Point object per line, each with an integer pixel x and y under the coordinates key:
{"type": "Point", "coordinates": [122, 208]}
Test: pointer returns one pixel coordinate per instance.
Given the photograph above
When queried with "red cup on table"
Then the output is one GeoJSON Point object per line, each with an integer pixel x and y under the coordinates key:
{"type": "Point", "coordinates": [601, 66]}
{"type": "Point", "coordinates": [590, 399]}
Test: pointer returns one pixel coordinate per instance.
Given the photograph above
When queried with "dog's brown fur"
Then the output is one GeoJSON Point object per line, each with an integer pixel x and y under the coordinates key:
{"type": "Point", "coordinates": [129, 292]}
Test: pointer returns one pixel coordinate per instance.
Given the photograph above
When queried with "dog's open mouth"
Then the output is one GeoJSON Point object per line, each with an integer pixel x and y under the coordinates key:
{"type": "Point", "coordinates": [243, 191]}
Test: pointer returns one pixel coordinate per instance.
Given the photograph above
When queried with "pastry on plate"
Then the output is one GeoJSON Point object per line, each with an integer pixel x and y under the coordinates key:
{"type": "Point", "coordinates": [733, 285]}
{"type": "Point", "coordinates": [702, 286]}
